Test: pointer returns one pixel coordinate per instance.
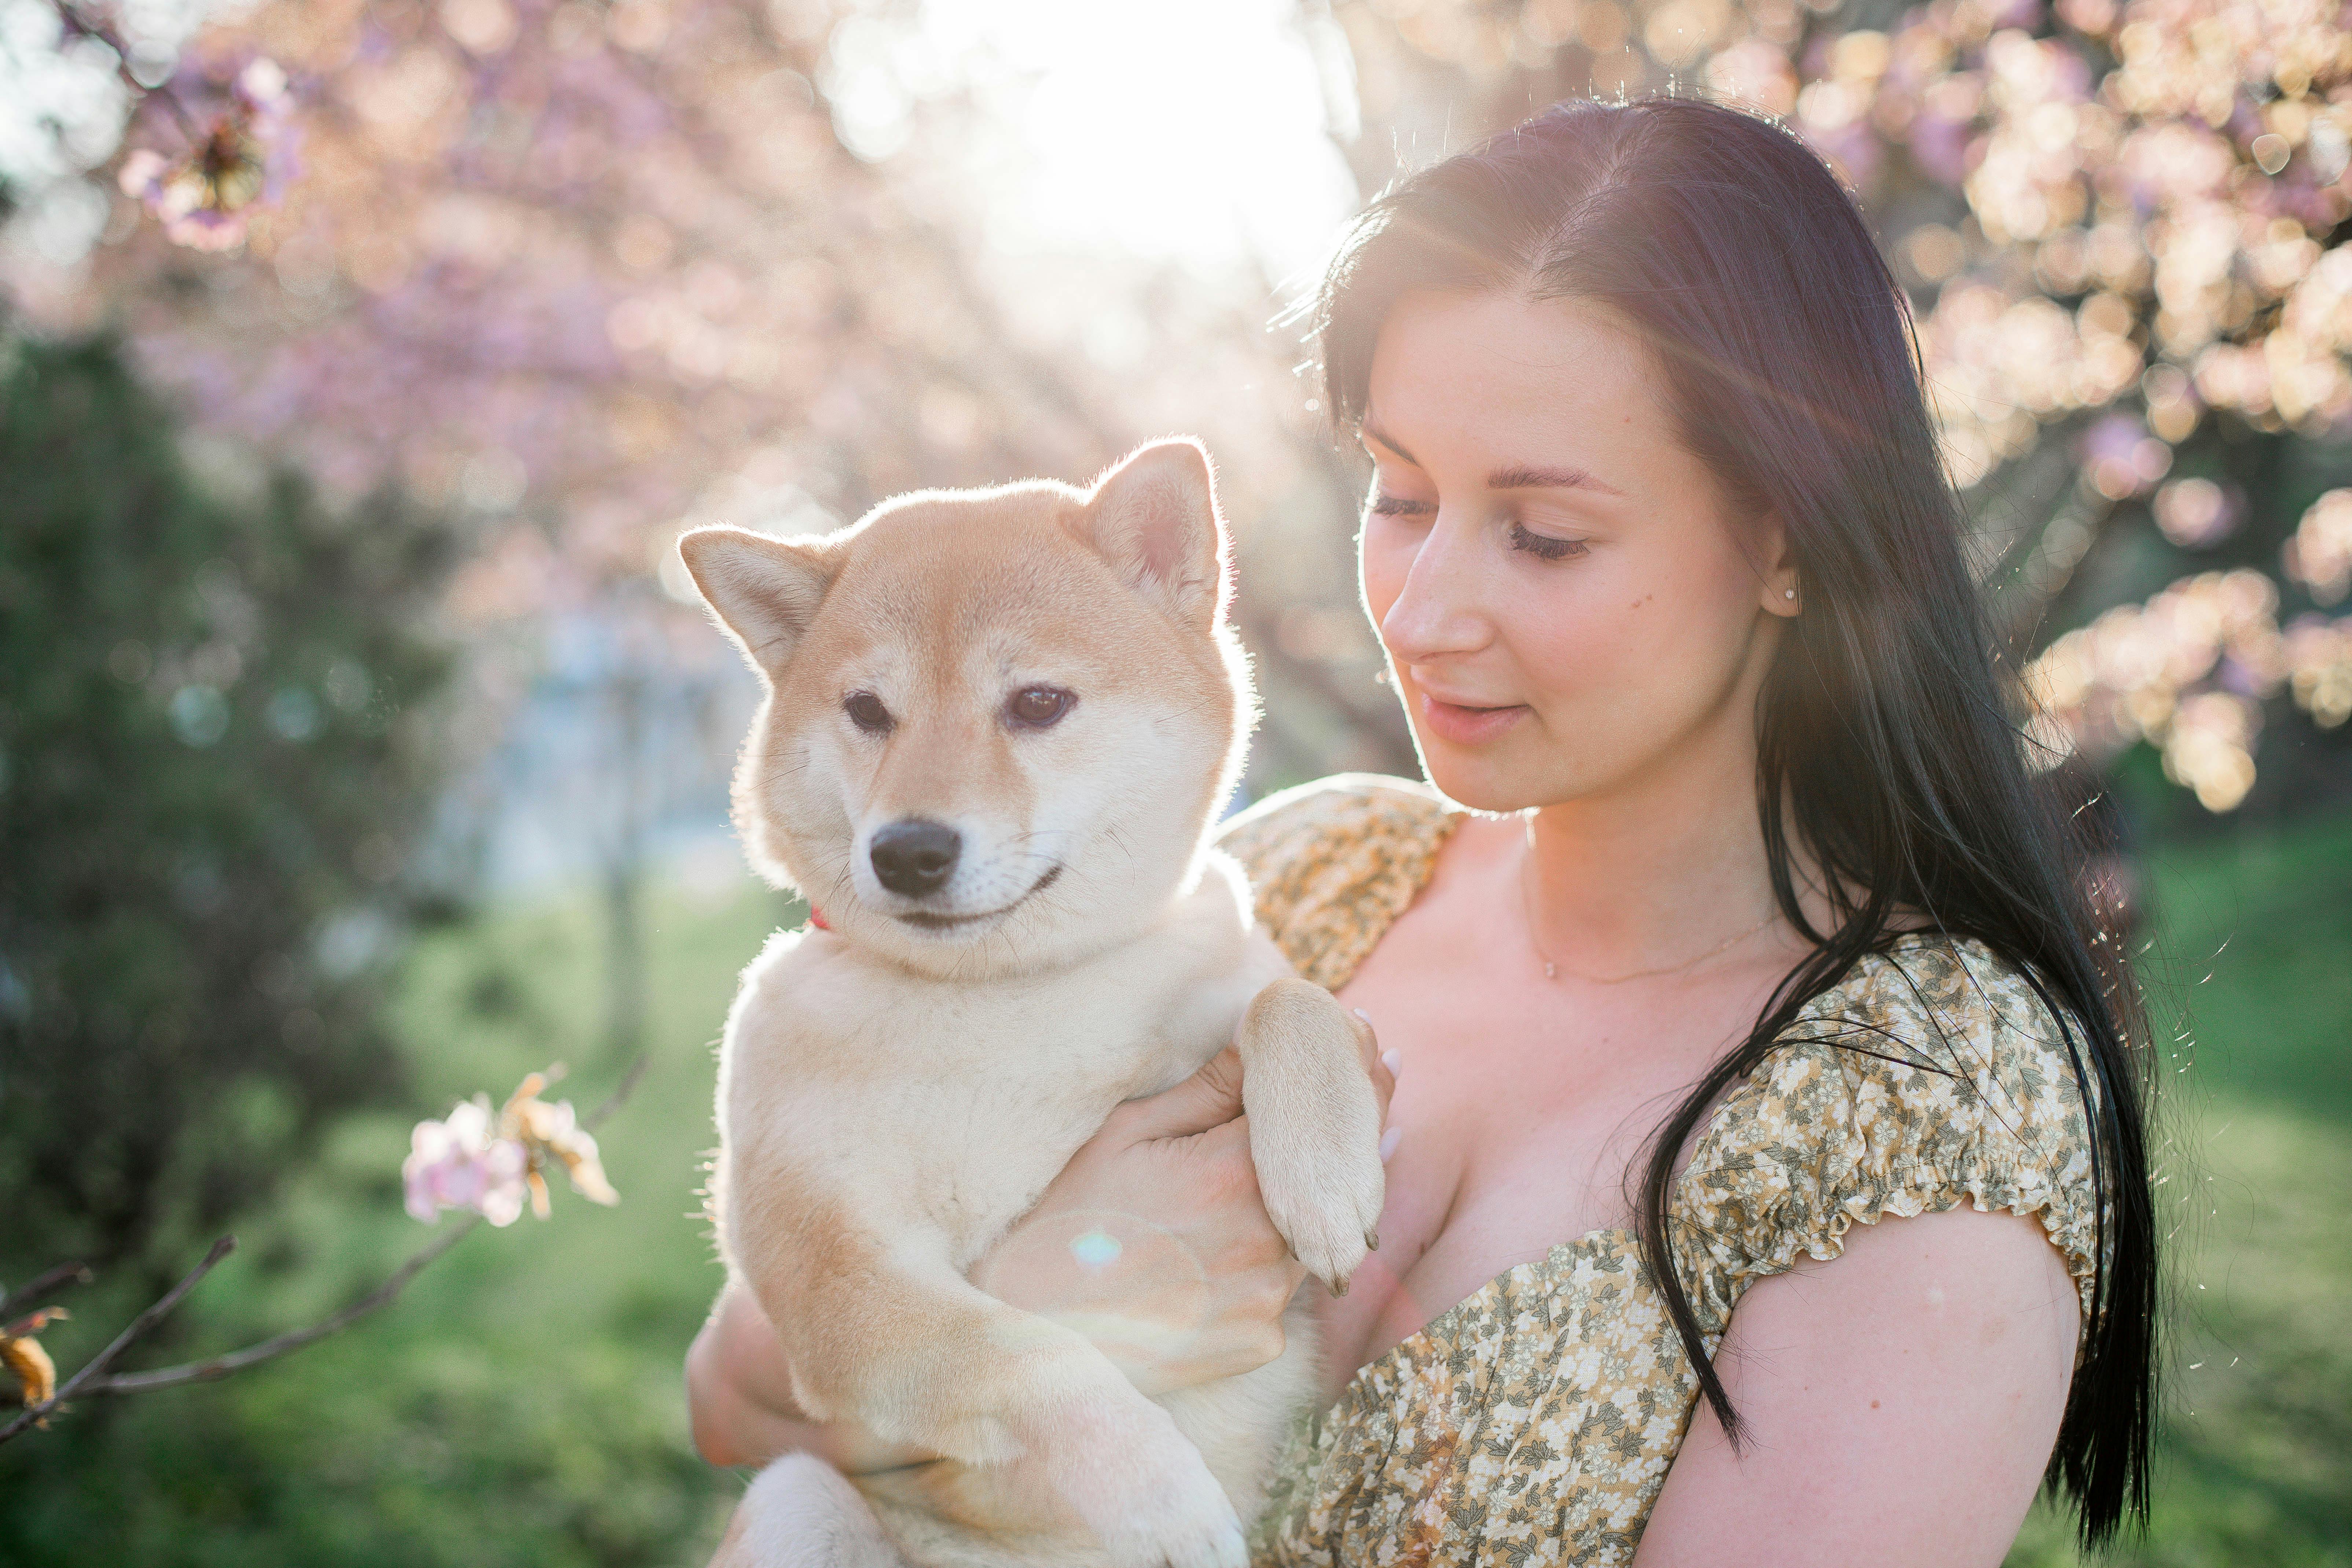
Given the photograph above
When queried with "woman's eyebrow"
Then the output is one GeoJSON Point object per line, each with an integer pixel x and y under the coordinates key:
{"type": "Point", "coordinates": [1522, 478]}
{"type": "Point", "coordinates": [1517, 477]}
{"type": "Point", "coordinates": [1371, 432]}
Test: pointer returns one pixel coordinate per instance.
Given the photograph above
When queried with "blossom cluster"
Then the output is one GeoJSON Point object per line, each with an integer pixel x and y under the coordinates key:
{"type": "Point", "coordinates": [2319, 556]}
{"type": "Point", "coordinates": [2176, 164]}
{"type": "Point", "coordinates": [2187, 671]}
{"type": "Point", "coordinates": [490, 1162]}
{"type": "Point", "coordinates": [206, 198]}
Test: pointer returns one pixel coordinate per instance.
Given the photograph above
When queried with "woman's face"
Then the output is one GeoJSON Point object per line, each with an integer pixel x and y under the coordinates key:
{"type": "Point", "coordinates": [1567, 607]}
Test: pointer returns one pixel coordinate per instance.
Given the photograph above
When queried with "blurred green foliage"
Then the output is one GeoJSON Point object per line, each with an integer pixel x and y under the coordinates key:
{"type": "Point", "coordinates": [214, 756]}
{"type": "Point", "coordinates": [2254, 954]}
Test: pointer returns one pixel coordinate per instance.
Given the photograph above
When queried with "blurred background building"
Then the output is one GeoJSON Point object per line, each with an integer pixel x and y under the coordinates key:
{"type": "Point", "coordinates": [360, 745]}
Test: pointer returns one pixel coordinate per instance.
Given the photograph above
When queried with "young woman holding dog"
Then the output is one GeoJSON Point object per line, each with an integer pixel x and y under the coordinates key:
{"type": "Point", "coordinates": [1754, 966]}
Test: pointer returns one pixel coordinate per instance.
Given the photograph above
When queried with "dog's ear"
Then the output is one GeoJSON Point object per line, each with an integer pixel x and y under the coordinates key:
{"type": "Point", "coordinates": [1153, 516]}
{"type": "Point", "coordinates": [764, 591]}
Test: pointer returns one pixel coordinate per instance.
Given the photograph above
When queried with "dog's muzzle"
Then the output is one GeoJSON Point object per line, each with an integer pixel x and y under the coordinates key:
{"type": "Point", "coordinates": [918, 918]}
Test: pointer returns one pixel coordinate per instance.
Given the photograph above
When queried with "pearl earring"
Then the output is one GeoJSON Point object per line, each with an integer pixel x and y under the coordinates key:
{"type": "Point", "coordinates": [1788, 593]}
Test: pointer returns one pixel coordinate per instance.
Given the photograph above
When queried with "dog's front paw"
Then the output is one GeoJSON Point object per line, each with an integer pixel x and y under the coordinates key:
{"type": "Point", "coordinates": [1326, 1202]}
{"type": "Point", "coordinates": [1315, 1127]}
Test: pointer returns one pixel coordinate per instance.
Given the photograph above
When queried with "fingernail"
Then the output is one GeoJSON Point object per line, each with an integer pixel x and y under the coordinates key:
{"type": "Point", "coordinates": [1393, 1061]}
{"type": "Point", "coordinates": [1389, 1142]}
{"type": "Point", "coordinates": [1360, 1013]}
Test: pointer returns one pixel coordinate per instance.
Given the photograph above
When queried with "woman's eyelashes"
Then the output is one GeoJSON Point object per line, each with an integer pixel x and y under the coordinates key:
{"type": "Point", "coordinates": [1544, 546]}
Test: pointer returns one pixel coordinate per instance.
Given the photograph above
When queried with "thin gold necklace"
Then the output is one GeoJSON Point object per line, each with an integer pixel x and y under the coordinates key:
{"type": "Point", "coordinates": [1552, 970]}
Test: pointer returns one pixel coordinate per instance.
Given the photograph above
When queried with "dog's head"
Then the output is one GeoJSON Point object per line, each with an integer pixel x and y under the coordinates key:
{"type": "Point", "coordinates": [998, 722]}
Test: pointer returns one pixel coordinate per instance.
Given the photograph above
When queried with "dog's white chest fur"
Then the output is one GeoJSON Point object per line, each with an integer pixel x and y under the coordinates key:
{"type": "Point", "coordinates": [959, 1102]}
{"type": "Point", "coordinates": [882, 1129]}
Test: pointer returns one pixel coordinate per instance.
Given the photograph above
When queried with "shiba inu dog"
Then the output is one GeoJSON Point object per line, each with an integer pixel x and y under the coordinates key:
{"type": "Point", "coordinates": [997, 728]}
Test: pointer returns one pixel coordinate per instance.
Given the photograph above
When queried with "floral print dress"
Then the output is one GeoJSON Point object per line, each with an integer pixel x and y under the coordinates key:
{"type": "Point", "coordinates": [1533, 1422]}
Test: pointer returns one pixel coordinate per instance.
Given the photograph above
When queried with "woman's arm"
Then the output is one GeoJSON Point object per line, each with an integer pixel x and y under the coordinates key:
{"type": "Point", "coordinates": [1898, 1405]}
{"type": "Point", "coordinates": [1194, 1291]}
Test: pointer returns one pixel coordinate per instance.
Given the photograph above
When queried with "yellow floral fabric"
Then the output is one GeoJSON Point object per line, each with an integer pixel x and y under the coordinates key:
{"type": "Point", "coordinates": [1534, 1422]}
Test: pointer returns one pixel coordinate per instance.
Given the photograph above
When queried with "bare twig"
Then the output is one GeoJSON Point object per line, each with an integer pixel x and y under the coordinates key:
{"type": "Point", "coordinates": [83, 26]}
{"type": "Point", "coordinates": [63, 1274]}
{"type": "Point", "coordinates": [213, 1368]}
{"type": "Point", "coordinates": [139, 1325]}
{"type": "Point", "coordinates": [621, 1092]}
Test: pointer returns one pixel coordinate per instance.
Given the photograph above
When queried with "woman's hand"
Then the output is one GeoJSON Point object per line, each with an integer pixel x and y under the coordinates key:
{"type": "Point", "coordinates": [739, 1398]}
{"type": "Point", "coordinates": [1153, 1242]}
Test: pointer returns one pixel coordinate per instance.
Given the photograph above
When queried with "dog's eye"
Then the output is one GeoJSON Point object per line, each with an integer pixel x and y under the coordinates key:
{"type": "Point", "coordinates": [866, 712]}
{"type": "Point", "coordinates": [1039, 707]}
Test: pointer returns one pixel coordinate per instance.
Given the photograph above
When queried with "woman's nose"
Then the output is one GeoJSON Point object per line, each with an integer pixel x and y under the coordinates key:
{"type": "Point", "coordinates": [1438, 611]}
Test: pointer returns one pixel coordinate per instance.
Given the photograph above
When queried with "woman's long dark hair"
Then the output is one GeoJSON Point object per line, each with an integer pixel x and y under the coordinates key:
{"type": "Point", "coordinates": [1885, 743]}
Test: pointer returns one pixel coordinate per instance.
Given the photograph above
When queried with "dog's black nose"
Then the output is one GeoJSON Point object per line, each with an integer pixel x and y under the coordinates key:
{"type": "Point", "coordinates": [915, 858]}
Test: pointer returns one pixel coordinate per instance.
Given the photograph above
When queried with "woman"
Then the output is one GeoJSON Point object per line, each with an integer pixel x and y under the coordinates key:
{"type": "Point", "coordinates": [1768, 1179]}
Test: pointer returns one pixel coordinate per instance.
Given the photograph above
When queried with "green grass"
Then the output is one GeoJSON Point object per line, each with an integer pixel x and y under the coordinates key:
{"type": "Point", "coordinates": [2254, 952]}
{"type": "Point", "coordinates": [521, 1406]}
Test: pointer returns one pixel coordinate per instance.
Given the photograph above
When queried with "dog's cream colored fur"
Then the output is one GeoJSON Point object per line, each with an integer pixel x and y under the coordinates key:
{"type": "Point", "coordinates": [895, 1092]}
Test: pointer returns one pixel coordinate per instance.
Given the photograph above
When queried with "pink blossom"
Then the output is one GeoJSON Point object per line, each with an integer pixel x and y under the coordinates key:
{"type": "Point", "coordinates": [554, 1131]}
{"type": "Point", "coordinates": [205, 198]}
{"type": "Point", "coordinates": [458, 1164]}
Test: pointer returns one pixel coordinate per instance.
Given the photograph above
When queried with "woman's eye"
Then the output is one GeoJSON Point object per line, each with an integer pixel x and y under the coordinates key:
{"type": "Point", "coordinates": [1397, 506]}
{"type": "Point", "coordinates": [866, 712]}
{"type": "Point", "coordinates": [1039, 707]}
{"type": "Point", "coordinates": [1544, 546]}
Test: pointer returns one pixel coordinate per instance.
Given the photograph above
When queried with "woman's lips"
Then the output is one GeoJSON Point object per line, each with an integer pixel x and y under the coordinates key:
{"type": "Point", "coordinates": [1466, 726]}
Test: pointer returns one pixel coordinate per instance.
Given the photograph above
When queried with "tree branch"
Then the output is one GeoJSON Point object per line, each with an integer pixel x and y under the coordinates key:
{"type": "Point", "coordinates": [63, 1274]}
{"type": "Point", "coordinates": [83, 27]}
{"type": "Point", "coordinates": [213, 1368]}
{"type": "Point", "coordinates": [139, 1325]}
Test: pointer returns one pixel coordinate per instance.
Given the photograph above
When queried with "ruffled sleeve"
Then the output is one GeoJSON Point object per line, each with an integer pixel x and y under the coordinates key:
{"type": "Point", "coordinates": [1932, 1077]}
{"type": "Point", "coordinates": [1334, 862]}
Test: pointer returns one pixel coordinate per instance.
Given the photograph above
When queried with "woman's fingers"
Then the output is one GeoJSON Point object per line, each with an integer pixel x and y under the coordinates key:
{"type": "Point", "coordinates": [1209, 1098]}
{"type": "Point", "coordinates": [1213, 1096]}
{"type": "Point", "coordinates": [752, 1354]}
{"type": "Point", "coordinates": [737, 1386]}
{"type": "Point", "coordinates": [1382, 1065]}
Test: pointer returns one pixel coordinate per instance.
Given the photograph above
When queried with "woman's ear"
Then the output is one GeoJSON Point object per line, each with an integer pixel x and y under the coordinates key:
{"type": "Point", "coordinates": [1783, 594]}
